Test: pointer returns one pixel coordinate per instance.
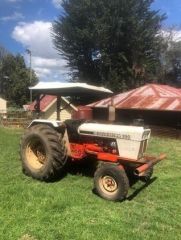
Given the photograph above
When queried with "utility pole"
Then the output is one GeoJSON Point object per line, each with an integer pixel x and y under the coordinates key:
{"type": "Point", "coordinates": [30, 54]}
{"type": "Point", "coordinates": [2, 84]}
{"type": "Point", "coordinates": [1, 80]}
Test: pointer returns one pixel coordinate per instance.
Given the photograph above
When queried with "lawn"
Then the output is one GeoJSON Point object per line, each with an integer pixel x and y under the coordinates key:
{"type": "Point", "coordinates": [67, 209]}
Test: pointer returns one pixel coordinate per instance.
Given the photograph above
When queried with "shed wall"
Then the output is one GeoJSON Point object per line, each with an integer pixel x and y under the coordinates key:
{"type": "Point", "coordinates": [51, 113]}
{"type": "Point", "coordinates": [126, 116]}
{"type": "Point", "coordinates": [3, 105]}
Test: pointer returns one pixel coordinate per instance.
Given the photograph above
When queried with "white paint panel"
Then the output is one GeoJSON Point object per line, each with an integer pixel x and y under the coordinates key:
{"type": "Point", "coordinates": [3, 106]}
{"type": "Point", "coordinates": [114, 131]}
{"type": "Point", "coordinates": [128, 149]}
{"type": "Point", "coordinates": [51, 113]}
{"type": "Point", "coordinates": [60, 85]}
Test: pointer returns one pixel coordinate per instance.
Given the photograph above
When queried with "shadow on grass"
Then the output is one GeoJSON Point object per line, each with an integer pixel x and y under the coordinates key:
{"type": "Point", "coordinates": [85, 167]}
{"type": "Point", "coordinates": [58, 177]}
{"type": "Point", "coordinates": [88, 167]}
{"type": "Point", "coordinates": [137, 191]}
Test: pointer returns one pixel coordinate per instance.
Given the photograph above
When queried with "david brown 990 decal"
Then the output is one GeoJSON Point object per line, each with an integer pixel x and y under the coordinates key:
{"type": "Point", "coordinates": [113, 135]}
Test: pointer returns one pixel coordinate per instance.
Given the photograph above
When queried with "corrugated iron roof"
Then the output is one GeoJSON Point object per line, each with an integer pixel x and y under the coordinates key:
{"type": "Point", "coordinates": [45, 101]}
{"type": "Point", "coordinates": [148, 97]}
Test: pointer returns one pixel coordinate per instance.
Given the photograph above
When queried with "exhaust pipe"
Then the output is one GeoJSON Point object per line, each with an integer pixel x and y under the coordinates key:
{"type": "Point", "coordinates": [139, 170]}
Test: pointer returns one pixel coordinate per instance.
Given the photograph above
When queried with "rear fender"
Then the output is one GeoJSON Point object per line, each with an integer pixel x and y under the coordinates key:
{"type": "Point", "coordinates": [54, 124]}
{"type": "Point", "coordinates": [57, 125]}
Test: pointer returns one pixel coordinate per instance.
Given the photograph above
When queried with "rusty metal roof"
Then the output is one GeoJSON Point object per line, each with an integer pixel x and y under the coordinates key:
{"type": "Point", "coordinates": [148, 97]}
{"type": "Point", "coordinates": [46, 101]}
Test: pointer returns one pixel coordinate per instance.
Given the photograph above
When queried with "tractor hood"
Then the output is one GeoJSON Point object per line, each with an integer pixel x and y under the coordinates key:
{"type": "Point", "coordinates": [132, 133]}
{"type": "Point", "coordinates": [70, 89]}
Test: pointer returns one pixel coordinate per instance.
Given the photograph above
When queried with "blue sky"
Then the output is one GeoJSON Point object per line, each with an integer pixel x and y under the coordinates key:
{"type": "Point", "coordinates": [14, 11]}
{"type": "Point", "coordinates": [26, 24]}
{"type": "Point", "coordinates": [172, 8]}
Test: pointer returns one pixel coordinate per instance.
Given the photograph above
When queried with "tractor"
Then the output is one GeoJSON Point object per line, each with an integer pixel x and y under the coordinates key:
{"type": "Point", "coordinates": [119, 150]}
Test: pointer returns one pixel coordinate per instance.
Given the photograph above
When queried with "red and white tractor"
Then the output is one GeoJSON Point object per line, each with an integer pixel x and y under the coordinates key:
{"type": "Point", "coordinates": [46, 146]}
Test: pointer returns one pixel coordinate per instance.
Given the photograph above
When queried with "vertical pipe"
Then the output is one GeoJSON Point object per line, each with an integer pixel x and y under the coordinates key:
{"type": "Point", "coordinates": [30, 54]}
{"type": "Point", "coordinates": [30, 77]}
{"type": "Point", "coordinates": [37, 106]}
{"type": "Point", "coordinates": [58, 107]}
{"type": "Point", "coordinates": [112, 112]}
{"type": "Point", "coordinates": [30, 96]}
{"type": "Point", "coordinates": [30, 68]}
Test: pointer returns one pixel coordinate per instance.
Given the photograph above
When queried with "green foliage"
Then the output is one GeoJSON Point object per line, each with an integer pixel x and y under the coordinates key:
{"type": "Point", "coordinates": [68, 210]}
{"type": "Point", "coordinates": [3, 53]}
{"type": "Point", "coordinates": [15, 80]}
{"type": "Point", "coordinates": [172, 63]}
{"type": "Point", "coordinates": [112, 43]}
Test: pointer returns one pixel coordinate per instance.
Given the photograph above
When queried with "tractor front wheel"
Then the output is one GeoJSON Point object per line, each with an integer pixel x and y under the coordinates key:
{"type": "Point", "coordinates": [146, 176]}
{"type": "Point", "coordinates": [111, 182]}
{"type": "Point", "coordinates": [43, 152]}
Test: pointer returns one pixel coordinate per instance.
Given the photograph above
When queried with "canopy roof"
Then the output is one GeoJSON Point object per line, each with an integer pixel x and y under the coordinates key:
{"type": "Point", "coordinates": [70, 89]}
{"type": "Point", "coordinates": [148, 97]}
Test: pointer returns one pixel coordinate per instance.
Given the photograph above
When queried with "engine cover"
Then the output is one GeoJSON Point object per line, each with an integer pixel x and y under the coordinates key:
{"type": "Point", "coordinates": [131, 140]}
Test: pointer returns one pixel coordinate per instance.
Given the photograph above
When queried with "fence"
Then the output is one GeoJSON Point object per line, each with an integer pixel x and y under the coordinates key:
{"type": "Point", "coordinates": [17, 118]}
{"type": "Point", "coordinates": [167, 132]}
{"type": "Point", "coordinates": [21, 119]}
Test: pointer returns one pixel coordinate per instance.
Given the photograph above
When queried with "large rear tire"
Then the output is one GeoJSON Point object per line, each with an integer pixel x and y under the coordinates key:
{"type": "Point", "coordinates": [111, 182]}
{"type": "Point", "coordinates": [43, 153]}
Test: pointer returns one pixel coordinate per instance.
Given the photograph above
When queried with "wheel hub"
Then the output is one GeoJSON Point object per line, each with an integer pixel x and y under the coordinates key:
{"type": "Point", "coordinates": [108, 184]}
{"type": "Point", "coordinates": [35, 154]}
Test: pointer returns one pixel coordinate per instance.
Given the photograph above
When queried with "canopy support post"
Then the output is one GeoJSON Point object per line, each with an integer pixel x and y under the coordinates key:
{"type": "Point", "coordinates": [58, 107]}
{"type": "Point", "coordinates": [37, 106]}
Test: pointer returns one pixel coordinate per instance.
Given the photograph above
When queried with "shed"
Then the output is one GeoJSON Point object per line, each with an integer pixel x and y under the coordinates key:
{"type": "Point", "coordinates": [156, 104]}
{"type": "Point", "coordinates": [48, 108]}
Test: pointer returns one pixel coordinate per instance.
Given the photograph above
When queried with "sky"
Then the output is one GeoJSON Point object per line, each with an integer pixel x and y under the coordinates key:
{"type": "Point", "coordinates": [27, 24]}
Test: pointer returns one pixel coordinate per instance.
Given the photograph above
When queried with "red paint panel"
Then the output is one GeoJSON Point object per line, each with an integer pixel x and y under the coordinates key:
{"type": "Point", "coordinates": [93, 148]}
{"type": "Point", "coordinates": [107, 157]}
{"type": "Point", "coordinates": [77, 151]}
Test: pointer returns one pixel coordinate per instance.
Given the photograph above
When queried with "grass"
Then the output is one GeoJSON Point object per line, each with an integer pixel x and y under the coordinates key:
{"type": "Point", "coordinates": [67, 209]}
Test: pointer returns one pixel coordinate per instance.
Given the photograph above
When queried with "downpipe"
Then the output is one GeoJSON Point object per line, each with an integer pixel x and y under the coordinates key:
{"type": "Point", "coordinates": [151, 162]}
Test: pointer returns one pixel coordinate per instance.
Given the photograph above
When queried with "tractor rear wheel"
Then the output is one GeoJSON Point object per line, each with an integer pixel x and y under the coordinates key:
{"type": "Point", "coordinates": [111, 182]}
{"type": "Point", "coordinates": [43, 152]}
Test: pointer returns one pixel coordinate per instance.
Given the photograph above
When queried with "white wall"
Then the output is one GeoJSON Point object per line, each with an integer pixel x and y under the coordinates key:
{"type": "Point", "coordinates": [51, 113]}
{"type": "Point", "coordinates": [3, 105]}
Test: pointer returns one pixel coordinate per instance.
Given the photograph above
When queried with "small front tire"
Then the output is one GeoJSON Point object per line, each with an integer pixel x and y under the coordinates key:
{"type": "Point", "coordinates": [111, 182]}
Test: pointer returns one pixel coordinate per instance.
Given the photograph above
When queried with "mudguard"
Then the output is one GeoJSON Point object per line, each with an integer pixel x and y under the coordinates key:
{"type": "Point", "coordinates": [52, 123]}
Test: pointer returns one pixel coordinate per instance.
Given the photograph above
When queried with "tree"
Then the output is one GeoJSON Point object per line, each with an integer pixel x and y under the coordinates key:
{"type": "Point", "coordinates": [113, 43]}
{"type": "Point", "coordinates": [172, 63]}
{"type": "Point", "coordinates": [170, 70]}
{"type": "Point", "coordinates": [3, 53]}
{"type": "Point", "coordinates": [15, 80]}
